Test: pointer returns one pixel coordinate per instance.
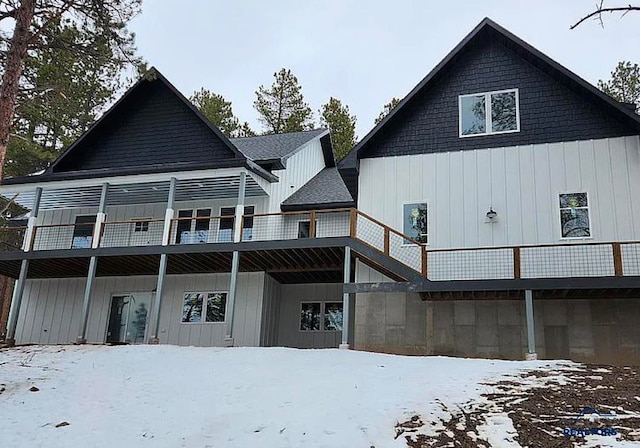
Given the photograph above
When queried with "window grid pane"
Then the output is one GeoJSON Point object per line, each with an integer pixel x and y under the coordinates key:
{"type": "Point", "coordinates": [473, 115]}
{"type": "Point", "coordinates": [503, 112]}
{"type": "Point", "coordinates": [310, 316]}
{"type": "Point", "coordinates": [414, 217]}
{"type": "Point", "coordinates": [574, 215]}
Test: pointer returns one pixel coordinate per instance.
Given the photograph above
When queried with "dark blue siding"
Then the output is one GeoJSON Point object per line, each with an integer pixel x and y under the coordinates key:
{"type": "Point", "coordinates": [549, 111]}
{"type": "Point", "coordinates": [151, 126]}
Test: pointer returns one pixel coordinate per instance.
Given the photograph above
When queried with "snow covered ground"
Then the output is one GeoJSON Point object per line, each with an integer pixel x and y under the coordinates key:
{"type": "Point", "coordinates": [166, 396]}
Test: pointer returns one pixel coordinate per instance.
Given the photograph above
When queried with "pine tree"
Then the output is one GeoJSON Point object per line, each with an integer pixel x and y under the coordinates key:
{"type": "Point", "coordinates": [624, 84]}
{"type": "Point", "coordinates": [282, 107]}
{"type": "Point", "coordinates": [217, 110]}
{"type": "Point", "coordinates": [342, 125]}
{"type": "Point", "coordinates": [387, 108]}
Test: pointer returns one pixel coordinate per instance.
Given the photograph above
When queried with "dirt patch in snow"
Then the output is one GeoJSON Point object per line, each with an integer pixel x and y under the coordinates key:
{"type": "Point", "coordinates": [566, 406]}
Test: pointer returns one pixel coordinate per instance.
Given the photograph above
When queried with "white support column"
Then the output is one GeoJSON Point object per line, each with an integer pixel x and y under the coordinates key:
{"type": "Point", "coordinates": [169, 213]}
{"type": "Point", "coordinates": [93, 265]}
{"type": "Point", "coordinates": [101, 217]}
{"type": "Point", "coordinates": [235, 261]}
{"type": "Point", "coordinates": [237, 222]}
{"type": "Point", "coordinates": [154, 332]}
{"type": "Point", "coordinates": [531, 333]}
{"type": "Point", "coordinates": [31, 224]}
{"type": "Point", "coordinates": [345, 300]}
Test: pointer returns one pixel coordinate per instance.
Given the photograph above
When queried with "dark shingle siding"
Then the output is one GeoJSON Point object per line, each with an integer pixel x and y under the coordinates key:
{"type": "Point", "coordinates": [152, 126]}
{"type": "Point", "coordinates": [549, 111]}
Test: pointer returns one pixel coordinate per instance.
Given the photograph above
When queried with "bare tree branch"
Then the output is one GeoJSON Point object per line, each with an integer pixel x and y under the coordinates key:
{"type": "Point", "coordinates": [600, 9]}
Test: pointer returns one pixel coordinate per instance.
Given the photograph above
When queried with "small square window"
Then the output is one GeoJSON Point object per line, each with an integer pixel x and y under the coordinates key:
{"type": "Point", "coordinates": [414, 219]}
{"type": "Point", "coordinates": [574, 215]}
{"type": "Point", "coordinates": [310, 316]}
{"type": "Point", "coordinates": [489, 113]}
{"type": "Point", "coordinates": [141, 226]}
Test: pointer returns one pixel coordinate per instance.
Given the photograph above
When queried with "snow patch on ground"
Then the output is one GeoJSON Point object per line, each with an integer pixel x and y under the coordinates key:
{"type": "Point", "coordinates": [166, 396]}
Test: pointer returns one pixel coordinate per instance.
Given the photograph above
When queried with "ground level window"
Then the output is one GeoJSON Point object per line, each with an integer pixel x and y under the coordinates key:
{"type": "Point", "coordinates": [318, 316]}
{"type": "Point", "coordinates": [333, 316]}
{"type": "Point", "coordinates": [414, 221]}
{"type": "Point", "coordinates": [574, 215]}
{"type": "Point", "coordinates": [200, 307]}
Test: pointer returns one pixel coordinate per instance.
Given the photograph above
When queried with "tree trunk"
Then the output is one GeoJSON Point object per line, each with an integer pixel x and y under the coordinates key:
{"type": "Point", "coordinates": [12, 73]}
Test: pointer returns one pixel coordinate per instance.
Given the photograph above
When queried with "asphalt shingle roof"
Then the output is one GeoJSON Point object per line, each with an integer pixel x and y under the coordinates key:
{"type": "Point", "coordinates": [274, 146]}
{"type": "Point", "coordinates": [326, 187]}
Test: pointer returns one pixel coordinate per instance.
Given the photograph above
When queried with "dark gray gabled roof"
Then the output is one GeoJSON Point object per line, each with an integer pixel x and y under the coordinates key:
{"type": "Point", "coordinates": [274, 146]}
{"type": "Point", "coordinates": [325, 190]}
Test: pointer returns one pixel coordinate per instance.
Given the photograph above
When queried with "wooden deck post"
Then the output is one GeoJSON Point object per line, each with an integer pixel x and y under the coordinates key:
{"type": "Point", "coordinates": [617, 259]}
{"type": "Point", "coordinates": [516, 262]}
{"type": "Point", "coordinates": [424, 261]}
{"type": "Point", "coordinates": [312, 224]}
{"type": "Point", "coordinates": [353, 220]}
{"type": "Point", "coordinates": [386, 241]}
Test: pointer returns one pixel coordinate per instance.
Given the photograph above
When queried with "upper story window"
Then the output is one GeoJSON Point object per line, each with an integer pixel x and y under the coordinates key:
{"type": "Point", "coordinates": [489, 113]}
{"type": "Point", "coordinates": [574, 215]}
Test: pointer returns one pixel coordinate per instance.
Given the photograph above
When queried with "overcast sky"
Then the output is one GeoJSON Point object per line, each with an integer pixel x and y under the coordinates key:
{"type": "Point", "coordinates": [362, 52]}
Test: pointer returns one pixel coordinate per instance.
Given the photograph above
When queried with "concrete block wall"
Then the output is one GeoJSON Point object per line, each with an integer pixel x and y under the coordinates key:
{"type": "Point", "coordinates": [595, 330]}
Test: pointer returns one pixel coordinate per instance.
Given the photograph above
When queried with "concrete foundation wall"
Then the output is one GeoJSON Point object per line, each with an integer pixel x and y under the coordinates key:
{"type": "Point", "coordinates": [595, 330]}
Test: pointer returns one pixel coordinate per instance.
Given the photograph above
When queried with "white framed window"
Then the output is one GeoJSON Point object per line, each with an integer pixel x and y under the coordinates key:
{"type": "Point", "coordinates": [204, 307]}
{"type": "Point", "coordinates": [415, 221]}
{"type": "Point", "coordinates": [321, 316]}
{"type": "Point", "coordinates": [489, 113]}
{"type": "Point", "coordinates": [141, 224]}
{"type": "Point", "coordinates": [575, 215]}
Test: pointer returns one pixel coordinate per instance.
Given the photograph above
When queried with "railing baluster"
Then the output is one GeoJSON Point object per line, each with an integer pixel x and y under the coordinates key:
{"type": "Point", "coordinates": [617, 259]}
{"type": "Point", "coordinates": [386, 241]}
{"type": "Point", "coordinates": [424, 261]}
{"type": "Point", "coordinates": [353, 221]}
{"type": "Point", "coordinates": [516, 262]}
{"type": "Point", "coordinates": [312, 224]}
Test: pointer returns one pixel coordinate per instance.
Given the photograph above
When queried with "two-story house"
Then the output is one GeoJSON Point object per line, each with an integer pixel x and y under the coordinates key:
{"type": "Point", "coordinates": [494, 216]}
{"type": "Point", "coordinates": [522, 180]}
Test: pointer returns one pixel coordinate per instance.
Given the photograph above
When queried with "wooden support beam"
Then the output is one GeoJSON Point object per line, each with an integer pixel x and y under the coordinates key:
{"type": "Point", "coordinates": [386, 241]}
{"type": "Point", "coordinates": [617, 259]}
{"type": "Point", "coordinates": [516, 262]}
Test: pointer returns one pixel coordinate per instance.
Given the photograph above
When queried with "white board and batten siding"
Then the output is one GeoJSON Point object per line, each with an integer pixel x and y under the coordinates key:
{"type": "Point", "coordinates": [52, 308]}
{"type": "Point", "coordinates": [522, 184]}
{"type": "Point", "coordinates": [301, 167]}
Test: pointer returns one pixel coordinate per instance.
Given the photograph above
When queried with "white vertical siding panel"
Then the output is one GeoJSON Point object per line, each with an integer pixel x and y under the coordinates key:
{"type": "Point", "coordinates": [499, 196]}
{"type": "Point", "coordinates": [543, 213]}
{"type": "Point", "coordinates": [528, 203]}
{"type": "Point", "coordinates": [513, 196]}
{"type": "Point", "coordinates": [633, 168]}
{"type": "Point", "coordinates": [456, 204]}
{"type": "Point", "coordinates": [483, 197]}
{"type": "Point", "coordinates": [606, 210]}
{"type": "Point", "coordinates": [442, 230]}
{"type": "Point", "coordinates": [470, 183]}
{"type": "Point", "coordinates": [622, 197]}
{"type": "Point", "coordinates": [572, 166]}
